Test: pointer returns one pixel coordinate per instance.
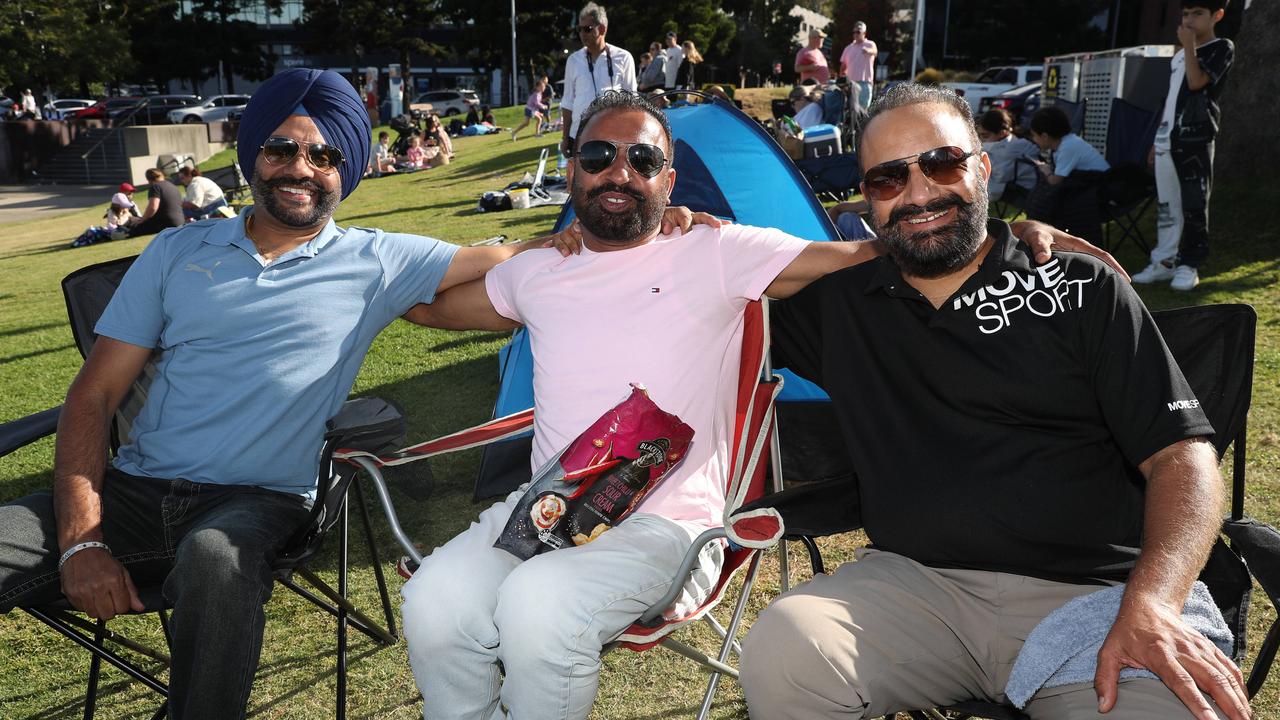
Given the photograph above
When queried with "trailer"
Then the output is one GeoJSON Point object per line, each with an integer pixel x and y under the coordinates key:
{"type": "Point", "coordinates": [1138, 74]}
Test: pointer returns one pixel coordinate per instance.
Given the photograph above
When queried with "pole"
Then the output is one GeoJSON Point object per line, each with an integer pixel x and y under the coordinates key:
{"type": "Point", "coordinates": [917, 50]}
{"type": "Point", "coordinates": [514, 71]}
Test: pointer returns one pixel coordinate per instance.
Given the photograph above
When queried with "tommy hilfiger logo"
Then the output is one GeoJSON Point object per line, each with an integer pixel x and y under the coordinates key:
{"type": "Point", "coordinates": [1044, 293]}
{"type": "Point", "coordinates": [655, 290]}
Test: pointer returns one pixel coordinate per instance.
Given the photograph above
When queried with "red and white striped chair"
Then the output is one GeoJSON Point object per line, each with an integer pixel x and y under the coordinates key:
{"type": "Point", "coordinates": [747, 533]}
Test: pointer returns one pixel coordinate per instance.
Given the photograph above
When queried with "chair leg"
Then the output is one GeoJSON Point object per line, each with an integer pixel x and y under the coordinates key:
{"type": "Point", "coordinates": [719, 630]}
{"type": "Point", "coordinates": [377, 560]}
{"type": "Point", "coordinates": [95, 668]}
{"type": "Point", "coordinates": [775, 467]}
{"type": "Point", "coordinates": [341, 711]}
{"type": "Point", "coordinates": [1266, 655]}
{"type": "Point", "coordinates": [734, 622]}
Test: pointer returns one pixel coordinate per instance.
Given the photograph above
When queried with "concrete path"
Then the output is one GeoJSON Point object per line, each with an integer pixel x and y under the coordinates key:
{"type": "Point", "coordinates": [19, 203]}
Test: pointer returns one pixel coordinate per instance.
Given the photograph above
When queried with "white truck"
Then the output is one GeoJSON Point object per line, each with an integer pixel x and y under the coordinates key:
{"type": "Point", "coordinates": [994, 81]}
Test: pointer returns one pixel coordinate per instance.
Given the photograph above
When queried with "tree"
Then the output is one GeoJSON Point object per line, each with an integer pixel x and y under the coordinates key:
{"type": "Point", "coordinates": [1250, 99]}
{"type": "Point", "coordinates": [60, 45]}
{"type": "Point", "coordinates": [358, 26]}
{"type": "Point", "coordinates": [766, 34]}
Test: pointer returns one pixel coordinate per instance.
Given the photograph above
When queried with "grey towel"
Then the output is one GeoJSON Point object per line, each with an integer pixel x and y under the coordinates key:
{"type": "Point", "coordinates": [1063, 648]}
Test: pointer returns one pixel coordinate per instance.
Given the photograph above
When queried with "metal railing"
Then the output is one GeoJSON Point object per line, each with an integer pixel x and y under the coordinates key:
{"type": "Point", "coordinates": [117, 126]}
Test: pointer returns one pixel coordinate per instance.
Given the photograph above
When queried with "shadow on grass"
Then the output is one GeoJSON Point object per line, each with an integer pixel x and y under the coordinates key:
{"type": "Point", "coordinates": [35, 353]}
{"type": "Point", "coordinates": [29, 328]}
{"type": "Point", "coordinates": [310, 683]}
{"type": "Point", "coordinates": [474, 339]}
{"type": "Point", "coordinates": [438, 207]}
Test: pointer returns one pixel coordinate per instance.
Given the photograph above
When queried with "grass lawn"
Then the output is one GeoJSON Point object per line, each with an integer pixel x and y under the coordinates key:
{"type": "Point", "coordinates": [448, 381]}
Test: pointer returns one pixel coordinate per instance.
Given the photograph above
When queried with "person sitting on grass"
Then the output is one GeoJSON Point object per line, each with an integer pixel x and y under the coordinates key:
{"type": "Point", "coordinates": [534, 111]}
{"type": "Point", "coordinates": [435, 129]}
{"type": "Point", "coordinates": [203, 198]}
{"type": "Point", "coordinates": [1013, 169]}
{"type": "Point", "coordinates": [414, 158]}
{"type": "Point", "coordinates": [1051, 130]}
{"type": "Point", "coordinates": [384, 160]}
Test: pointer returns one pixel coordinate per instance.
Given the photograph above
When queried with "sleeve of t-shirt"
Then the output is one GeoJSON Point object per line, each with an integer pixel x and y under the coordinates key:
{"type": "Point", "coordinates": [751, 258]}
{"type": "Point", "coordinates": [191, 194]}
{"type": "Point", "coordinates": [795, 326]}
{"type": "Point", "coordinates": [412, 267]}
{"type": "Point", "coordinates": [627, 72]}
{"type": "Point", "coordinates": [1144, 397]}
{"type": "Point", "coordinates": [500, 284]}
{"type": "Point", "coordinates": [874, 49]}
{"type": "Point", "coordinates": [1065, 160]}
{"type": "Point", "coordinates": [136, 312]}
{"type": "Point", "coordinates": [1215, 59]}
{"type": "Point", "coordinates": [570, 77]}
{"type": "Point", "coordinates": [846, 57]}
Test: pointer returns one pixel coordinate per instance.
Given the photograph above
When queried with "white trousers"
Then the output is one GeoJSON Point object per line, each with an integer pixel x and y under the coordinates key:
{"type": "Point", "coordinates": [1168, 209]}
{"type": "Point", "coordinates": [471, 606]}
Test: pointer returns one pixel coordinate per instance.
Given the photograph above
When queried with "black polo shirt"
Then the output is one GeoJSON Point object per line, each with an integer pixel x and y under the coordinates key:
{"type": "Point", "coordinates": [1001, 431]}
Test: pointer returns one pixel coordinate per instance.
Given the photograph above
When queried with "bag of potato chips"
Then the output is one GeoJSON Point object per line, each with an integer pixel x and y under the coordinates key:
{"type": "Point", "coordinates": [599, 479]}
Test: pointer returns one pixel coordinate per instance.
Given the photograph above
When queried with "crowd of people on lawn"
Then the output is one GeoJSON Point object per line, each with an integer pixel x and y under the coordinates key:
{"type": "Point", "coordinates": [1009, 481]}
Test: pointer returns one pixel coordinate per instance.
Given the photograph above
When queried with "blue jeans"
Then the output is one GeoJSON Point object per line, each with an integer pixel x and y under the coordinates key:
{"type": "Point", "coordinates": [206, 211]}
{"type": "Point", "coordinates": [209, 547]}
{"type": "Point", "coordinates": [862, 91]}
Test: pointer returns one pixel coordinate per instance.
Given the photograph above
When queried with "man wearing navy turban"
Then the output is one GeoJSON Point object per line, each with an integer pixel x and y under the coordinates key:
{"type": "Point", "coordinates": [256, 327]}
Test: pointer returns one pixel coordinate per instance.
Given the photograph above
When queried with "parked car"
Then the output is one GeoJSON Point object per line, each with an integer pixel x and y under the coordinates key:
{"type": "Point", "coordinates": [1021, 102]}
{"type": "Point", "coordinates": [446, 102]}
{"type": "Point", "coordinates": [156, 109]}
{"type": "Point", "coordinates": [108, 108]}
{"type": "Point", "coordinates": [58, 109]}
{"type": "Point", "coordinates": [215, 109]}
{"type": "Point", "coordinates": [995, 81]}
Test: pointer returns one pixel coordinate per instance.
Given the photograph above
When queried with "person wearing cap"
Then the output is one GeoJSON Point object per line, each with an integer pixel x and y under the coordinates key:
{"type": "Point", "coordinates": [674, 54]}
{"type": "Point", "coordinates": [857, 63]}
{"type": "Point", "coordinates": [807, 102]}
{"type": "Point", "coordinates": [595, 69]}
{"type": "Point", "coordinates": [256, 327]}
{"type": "Point", "coordinates": [811, 64]}
{"type": "Point", "coordinates": [203, 195]}
{"type": "Point", "coordinates": [120, 213]}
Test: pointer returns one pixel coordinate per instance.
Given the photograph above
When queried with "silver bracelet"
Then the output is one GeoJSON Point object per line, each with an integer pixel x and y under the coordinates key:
{"type": "Point", "coordinates": [77, 548]}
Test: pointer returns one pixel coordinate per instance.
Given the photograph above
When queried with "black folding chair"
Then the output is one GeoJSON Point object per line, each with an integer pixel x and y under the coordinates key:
{"type": "Point", "coordinates": [1214, 346]}
{"type": "Point", "coordinates": [1128, 189]}
{"type": "Point", "coordinates": [364, 423]}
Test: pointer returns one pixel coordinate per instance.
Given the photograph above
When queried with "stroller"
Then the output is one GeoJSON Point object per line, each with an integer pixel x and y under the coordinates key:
{"type": "Point", "coordinates": [407, 126]}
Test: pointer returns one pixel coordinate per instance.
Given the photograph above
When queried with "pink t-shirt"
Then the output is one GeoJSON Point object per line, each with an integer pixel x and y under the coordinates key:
{"type": "Point", "coordinates": [667, 314]}
{"type": "Point", "coordinates": [859, 66]}
{"type": "Point", "coordinates": [813, 57]}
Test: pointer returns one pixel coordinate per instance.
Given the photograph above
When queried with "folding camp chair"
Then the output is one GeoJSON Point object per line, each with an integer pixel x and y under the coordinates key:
{"type": "Point", "coordinates": [1128, 188]}
{"type": "Point", "coordinates": [1214, 346]}
{"type": "Point", "coordinates": [367, 422]}
{"type": "Point", "coordinates": [747, 532]}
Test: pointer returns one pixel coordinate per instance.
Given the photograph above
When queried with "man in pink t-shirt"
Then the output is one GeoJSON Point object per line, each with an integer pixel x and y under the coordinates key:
{"type": "Point", "coordinates": [634, 306]}
{"type": "Point", "coordinates": [857, 63]}
{"type": "Point", "coordinates": [811, 64]}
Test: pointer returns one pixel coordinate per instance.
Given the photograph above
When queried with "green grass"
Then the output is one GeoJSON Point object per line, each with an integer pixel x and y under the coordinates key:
{"type": "Point", "coordinates": [448, 381]}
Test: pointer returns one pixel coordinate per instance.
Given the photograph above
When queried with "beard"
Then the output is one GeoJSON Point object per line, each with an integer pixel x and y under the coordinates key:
{"type": "Point", "coordinates": [937, 252]}
{"type": "Point", "coordinates": [325, 202]}
{"type": "Point", "coordinates": [617, 228]}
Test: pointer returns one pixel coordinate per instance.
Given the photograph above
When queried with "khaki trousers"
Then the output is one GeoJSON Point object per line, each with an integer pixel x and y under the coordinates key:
{"type": "Point", "coordinates": [887, 634]}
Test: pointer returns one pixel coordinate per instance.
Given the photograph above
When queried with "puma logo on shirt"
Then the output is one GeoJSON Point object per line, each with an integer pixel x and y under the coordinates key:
{"type": "Point", "coordinates": [192, 267]}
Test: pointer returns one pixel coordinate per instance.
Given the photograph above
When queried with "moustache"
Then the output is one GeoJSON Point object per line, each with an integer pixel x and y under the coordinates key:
{"type": "Point", "coordinates": [906, 212]}
{"type": "Point", "coordinates": [311, 185]}
{"type": "Point", "coordinates": [612, 187]}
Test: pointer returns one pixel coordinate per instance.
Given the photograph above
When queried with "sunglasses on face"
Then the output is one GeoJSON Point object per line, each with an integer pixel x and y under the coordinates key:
{"type": "Point", "coordinates": [587, 29]}
{"type": "Point", "coordinates": [282, 151]}
{"type": "Point", "coordinates": [945, 166]}
{"type": "Point", "coordinates": [598, 155]}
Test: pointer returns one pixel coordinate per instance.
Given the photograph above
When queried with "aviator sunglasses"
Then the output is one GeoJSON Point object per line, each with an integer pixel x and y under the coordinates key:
{"type": "Point", "coordinates": [282, 150]}
{"type": "Point", "coordinates": [598, 155]}
{"type": "Point", "coordinates": [944, 166]}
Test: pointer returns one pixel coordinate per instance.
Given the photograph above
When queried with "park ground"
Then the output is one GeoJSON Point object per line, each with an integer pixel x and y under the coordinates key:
{"type": "Point", "coordinates": [448, 381]}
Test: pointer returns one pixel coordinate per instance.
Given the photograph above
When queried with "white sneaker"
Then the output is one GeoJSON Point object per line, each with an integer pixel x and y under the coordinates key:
{"type": "Point", "coordinates": [1155, 272]}
{"type": "Point", "coordinates": [1185, 278]}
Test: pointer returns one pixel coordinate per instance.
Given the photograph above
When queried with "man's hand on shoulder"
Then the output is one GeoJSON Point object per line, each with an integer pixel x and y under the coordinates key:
{"type": "Point", "coordinates": [682, 218]}
{"type": "Point", "coordinates": [1044, 239]}
{"type": "Point", "coordinates": [1152, 636]}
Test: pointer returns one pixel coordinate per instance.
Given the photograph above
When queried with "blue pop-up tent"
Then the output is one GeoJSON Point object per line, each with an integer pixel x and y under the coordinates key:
{"type": "Point", "coordinates": [726, 165]}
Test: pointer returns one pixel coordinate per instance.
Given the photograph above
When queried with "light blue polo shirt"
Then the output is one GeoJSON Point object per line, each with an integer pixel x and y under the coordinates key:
{"type": "Point", "coordinates": [1076, 154]}
{"type": "Point", "coordinates": [255, 357]}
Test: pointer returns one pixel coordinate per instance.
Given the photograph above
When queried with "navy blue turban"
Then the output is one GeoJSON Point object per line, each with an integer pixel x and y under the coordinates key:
{"type": "Point", "coordinates": [330, 101]}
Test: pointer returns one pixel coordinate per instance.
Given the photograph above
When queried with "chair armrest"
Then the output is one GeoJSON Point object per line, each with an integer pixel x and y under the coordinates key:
{"type": "Point", "coordinates": [654, 613]}
{"type": "Point", "coordinates": [827, 507]}
{"type": "Point", "coordinates": [24, 431]}
{"type": "Point", "coordinates": [368, 424]}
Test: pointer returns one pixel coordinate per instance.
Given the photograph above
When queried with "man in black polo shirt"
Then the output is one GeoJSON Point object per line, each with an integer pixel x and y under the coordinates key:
{"type": "Point", "coordinates": [1010, 425]}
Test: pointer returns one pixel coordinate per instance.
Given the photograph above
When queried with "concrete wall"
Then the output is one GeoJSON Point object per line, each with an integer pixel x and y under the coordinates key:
{"type": "Point", "coordinates": [144, 144]}
{"type": "Point", "coordinates": [25, 144]}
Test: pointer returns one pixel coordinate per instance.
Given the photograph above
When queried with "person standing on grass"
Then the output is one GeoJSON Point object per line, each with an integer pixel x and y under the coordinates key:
{"type": "Point", "coordinates": [858, 64]}
{"type": "Point", "coordinates": [811, 64]}
{"type": "Point", "coordinates": [257, 327]}
{"type": "Point", "coordinates": [673, 53]}
{"type": "Point", "coordinates": [654, 75]}
{"type": "Point", "coordinates": [597, 68]}
{"type": "Point", "coordinates": [1183, 152]}
{"type": "Point", "coordinates": [534, 110]}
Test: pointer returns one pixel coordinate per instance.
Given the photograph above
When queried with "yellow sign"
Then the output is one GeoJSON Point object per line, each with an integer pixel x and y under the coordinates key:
{"type": "Point", "coordinates": [1051, 82]}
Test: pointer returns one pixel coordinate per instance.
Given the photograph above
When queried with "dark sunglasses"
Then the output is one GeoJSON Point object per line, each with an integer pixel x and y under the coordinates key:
{"type": "Point", "coordinates": [598, 155]}
{"type": "Point", "coordinates": [282, 151]}
{"type": "Point", "coordinates": [587, 28]}
{"type": "Point", "coordinates": [944, 166]}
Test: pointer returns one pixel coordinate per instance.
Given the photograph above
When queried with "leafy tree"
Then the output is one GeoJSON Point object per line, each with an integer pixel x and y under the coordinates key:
{"type": "Point", "coordinates": [355, 27]}
{"type": "Point", "coordinates": [1252, 95]}
{"type": "Point", "coordinates": [60, 44]}
{"type": "Point", "coordinates": [766, 34]}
